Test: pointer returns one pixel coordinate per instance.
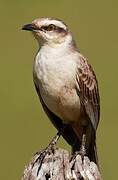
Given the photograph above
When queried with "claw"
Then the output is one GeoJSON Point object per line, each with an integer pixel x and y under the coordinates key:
{"type": "Point", "coordinates": [42, 155]}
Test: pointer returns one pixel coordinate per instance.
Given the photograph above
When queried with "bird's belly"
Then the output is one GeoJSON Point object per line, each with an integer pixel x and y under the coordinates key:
{"type": "Point", "coordinates": [56, 81]}
{"type": "Point", "coordinates": [64, 102]}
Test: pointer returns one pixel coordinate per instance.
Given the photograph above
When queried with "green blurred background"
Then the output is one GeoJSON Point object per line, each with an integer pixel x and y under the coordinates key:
{"type": "Point", "coordinates": [24, 128]}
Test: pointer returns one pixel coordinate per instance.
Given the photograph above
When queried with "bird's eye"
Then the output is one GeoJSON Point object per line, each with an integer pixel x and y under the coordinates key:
{"type": "Point", "coordinates": [51, 27]}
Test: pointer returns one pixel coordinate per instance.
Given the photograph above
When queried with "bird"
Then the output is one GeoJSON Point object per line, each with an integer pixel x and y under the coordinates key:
{"type": "Point", "coordinates": [66, 85]}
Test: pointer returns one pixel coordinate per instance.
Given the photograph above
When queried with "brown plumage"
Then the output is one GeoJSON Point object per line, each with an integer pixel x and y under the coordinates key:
{"type": "Point", "coordinates": [87, 89]}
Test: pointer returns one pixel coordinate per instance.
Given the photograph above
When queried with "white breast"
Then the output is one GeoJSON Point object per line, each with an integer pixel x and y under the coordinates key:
{"type": "Point", "coordinates": [56, 79]}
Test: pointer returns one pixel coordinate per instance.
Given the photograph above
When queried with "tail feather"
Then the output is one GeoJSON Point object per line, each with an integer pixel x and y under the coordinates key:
{"type": "Point", "coordinates": [92, 153]}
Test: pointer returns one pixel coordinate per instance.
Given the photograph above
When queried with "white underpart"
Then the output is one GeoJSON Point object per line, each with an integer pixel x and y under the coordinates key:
{"type": "Point", "coordinates": [55, 71]}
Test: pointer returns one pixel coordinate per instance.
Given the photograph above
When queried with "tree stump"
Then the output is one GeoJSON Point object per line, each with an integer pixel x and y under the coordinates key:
{"type": "Point", "coordinates": [57, 166]}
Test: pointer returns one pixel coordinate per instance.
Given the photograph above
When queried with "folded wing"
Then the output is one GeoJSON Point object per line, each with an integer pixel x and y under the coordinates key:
{"type": "Point", "coordinates": [87, 89]}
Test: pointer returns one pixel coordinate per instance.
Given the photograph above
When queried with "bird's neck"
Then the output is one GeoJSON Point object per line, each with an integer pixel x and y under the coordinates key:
{"type": "Point", "coordinates": [54, 50]}
{"type": "Point", "coordinates": [63, 46]}
{"type": "Point", "coordinates": [58, 50]}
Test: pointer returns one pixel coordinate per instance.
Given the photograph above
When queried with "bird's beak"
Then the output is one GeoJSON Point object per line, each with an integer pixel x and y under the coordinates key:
{"type": "Point", "coordinates": [29, 27]}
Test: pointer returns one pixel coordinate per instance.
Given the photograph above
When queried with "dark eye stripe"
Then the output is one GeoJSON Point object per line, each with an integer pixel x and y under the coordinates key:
{"type": "Point", "coordinates": [52, 27]}
{"type": "Point", "coordinates": [44, 27]}
{"type": "Point", "coordinates": [61, 30]}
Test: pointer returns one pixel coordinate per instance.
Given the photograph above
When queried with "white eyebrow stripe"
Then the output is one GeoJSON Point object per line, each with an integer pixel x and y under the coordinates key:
{"type": "Point", "coordinates": [57, 23]}
{"type": "Point", "coordinates": [46, 22]}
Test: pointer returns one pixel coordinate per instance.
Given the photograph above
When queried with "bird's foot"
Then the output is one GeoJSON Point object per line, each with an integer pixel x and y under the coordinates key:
{"type": "Point", "coordinates": [82, 151]}
{"type": "Point", "coordinates": [41, 155]}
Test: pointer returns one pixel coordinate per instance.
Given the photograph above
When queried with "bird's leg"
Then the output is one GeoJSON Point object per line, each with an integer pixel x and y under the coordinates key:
{"type": "Point", "coordinates": [42, 154]}
{"type": "Point", "coordinates": [82, 151]}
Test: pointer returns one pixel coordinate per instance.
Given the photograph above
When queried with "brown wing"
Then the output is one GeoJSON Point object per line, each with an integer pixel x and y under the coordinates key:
{"type": "Point", "coordinates": [87, 88]}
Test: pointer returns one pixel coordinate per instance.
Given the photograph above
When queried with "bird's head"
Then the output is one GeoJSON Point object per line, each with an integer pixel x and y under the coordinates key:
{"type": "Point", "coordinates": [49, 30]}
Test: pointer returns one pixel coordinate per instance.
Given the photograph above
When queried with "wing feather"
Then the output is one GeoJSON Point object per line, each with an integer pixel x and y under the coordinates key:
{"type": "Point", "coordinates": [87, 88]}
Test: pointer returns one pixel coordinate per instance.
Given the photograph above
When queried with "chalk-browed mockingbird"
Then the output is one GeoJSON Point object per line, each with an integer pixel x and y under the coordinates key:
{"type": "Point", "coordinates": [66, 84]}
